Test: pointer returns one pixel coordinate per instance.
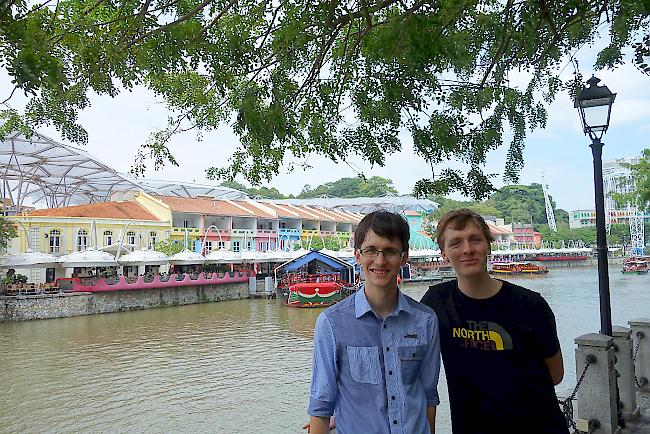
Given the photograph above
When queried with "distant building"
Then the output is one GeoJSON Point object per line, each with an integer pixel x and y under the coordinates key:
{"type": "Point", "coordinates": [419, 238]}
{"type": "Point", "coordinates": [582, 218]}
{"type": "Point", "coordinates": [616, 179]}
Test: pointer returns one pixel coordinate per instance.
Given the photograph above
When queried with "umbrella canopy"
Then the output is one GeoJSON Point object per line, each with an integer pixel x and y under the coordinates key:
{"type": "Point", "coordinates": [222, 256]}
{"type": "Point", "coordinates": [30, 259]}
{"type": "Point", "coordinates": [88, 258]}
{"type": "Point", "coordinates": [347, 252]}
{"type": "Point", "coordinates": [114, 248]}
{"type": "Point", "coordinates": [186, 258]}
{"type": "Point", "coordinates": [275, 256]}
{"type": "Point", "coordinates": [253, 256]}
{"type": "Point", "coordinates": [143, 257]}
{"type": "Point", "coordinates": [298, 253]}
{"type": "Point", "coordinates": [328, 252]}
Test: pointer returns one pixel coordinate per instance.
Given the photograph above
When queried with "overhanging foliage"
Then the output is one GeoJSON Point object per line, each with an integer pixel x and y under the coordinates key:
{"type": "Point", "coordinates": [328, 77]}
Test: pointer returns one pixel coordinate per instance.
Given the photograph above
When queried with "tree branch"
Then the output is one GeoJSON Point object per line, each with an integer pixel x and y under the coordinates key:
{"type": "Point", "coordinates": [344, 19]}
{"type": "Point", "coordinates": [187, 16]}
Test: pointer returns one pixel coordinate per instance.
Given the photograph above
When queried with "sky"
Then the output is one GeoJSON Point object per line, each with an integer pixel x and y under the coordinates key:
{"type": "Point", "coordinates": [118, 126]}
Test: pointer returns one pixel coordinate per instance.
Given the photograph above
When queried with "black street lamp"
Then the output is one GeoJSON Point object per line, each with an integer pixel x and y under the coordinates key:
{"type": "Point", "coordinates": [594, 104]}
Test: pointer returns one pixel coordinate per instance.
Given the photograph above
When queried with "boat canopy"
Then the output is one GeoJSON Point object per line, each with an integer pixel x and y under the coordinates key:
{"type": "Point", "coordinates": [346, 269]}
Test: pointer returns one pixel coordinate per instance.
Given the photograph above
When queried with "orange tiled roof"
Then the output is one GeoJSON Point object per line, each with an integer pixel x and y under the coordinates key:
{"type": "Point", "coordinates": [127, 210]}
{"type": "Point", "coordinates": [201, 205]}
{"type": "Point", "coordinates": [282, 210]}
{"type": "Point", "coordinates": [497, 230]}
{"type": "Point", "coordinates": [258, 211]}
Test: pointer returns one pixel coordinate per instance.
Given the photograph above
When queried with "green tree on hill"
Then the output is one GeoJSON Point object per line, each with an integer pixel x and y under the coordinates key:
{"type": "Point", "coordinates": [375, 186]}
{"type": "Point", "coordinates": [521, 203]}
{"type": "Point", "coordinates": [332, 78]}
{"type": "Point", "coordinates": [263, 192]}
{"type": "Point", "coordinates": [483, 208]}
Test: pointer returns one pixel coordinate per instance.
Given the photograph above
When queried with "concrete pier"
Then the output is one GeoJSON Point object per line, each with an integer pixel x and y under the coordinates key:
{"type": "Point", "coordinates": [642, 424]}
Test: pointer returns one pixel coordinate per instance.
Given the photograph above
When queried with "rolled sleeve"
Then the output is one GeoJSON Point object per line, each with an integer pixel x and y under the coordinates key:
{"type": "Point", "coordinates": [430, 370]}
{"type": "Point", "coordinates": [324, 387]}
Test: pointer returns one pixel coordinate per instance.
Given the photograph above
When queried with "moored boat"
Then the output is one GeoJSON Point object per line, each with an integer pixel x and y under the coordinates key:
{"type": "Point", "coordinates": [513, 268]}
{"type": "Point", "coordinates": [314, 280]}
{"type": "Point", "coordinates": [636, 265]}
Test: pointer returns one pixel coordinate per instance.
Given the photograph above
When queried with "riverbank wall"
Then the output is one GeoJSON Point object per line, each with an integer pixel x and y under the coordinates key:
{"type": "Point", "coordinates": [63, 305]}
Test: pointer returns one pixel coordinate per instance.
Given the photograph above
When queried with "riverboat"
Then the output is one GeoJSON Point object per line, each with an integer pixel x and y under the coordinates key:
{"type": "Point", "coordinates": [511, 268]}
{"type": "Point", "coordinates": [543, 255]}
{"type": "Point", "coordinates": [636, 265]}
{"type": "Point", "coordinates": [314, 280]}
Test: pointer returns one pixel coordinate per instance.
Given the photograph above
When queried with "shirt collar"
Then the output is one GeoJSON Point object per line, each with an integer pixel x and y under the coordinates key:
{"type": "Point", "coordinates": [361, 305]}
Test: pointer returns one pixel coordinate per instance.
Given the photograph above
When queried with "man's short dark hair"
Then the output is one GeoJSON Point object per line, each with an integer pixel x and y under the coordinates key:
{"type": "Point", "coordinates": [385, 224]}
{"type": "Point", "coordinates": [458, 219]}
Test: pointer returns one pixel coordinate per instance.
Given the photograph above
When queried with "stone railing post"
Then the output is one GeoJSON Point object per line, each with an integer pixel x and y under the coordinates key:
{"type": "Point", "coordinates": [641, 345]}
{"type": "Point", "coordinates": [625, 368]}
{"type": "Point", "coordinates": [597, 392]}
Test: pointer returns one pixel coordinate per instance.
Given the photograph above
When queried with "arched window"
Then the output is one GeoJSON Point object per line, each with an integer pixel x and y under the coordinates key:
{"type": "Point", "coordinates": [130, 238]}
{"type": "Point", "coordinates": [152, 239]}
{"type": "Point", "coordinates": [55, 241]}
{"type": "Point", "coordinates": [82, 240]}
{"type": "Point", "coordinates": [108, 238]}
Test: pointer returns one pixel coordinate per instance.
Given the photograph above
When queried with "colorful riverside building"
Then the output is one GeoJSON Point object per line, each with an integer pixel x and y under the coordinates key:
{"type": "Point", "coordinates": [60, 231]}
{"type": "Point", "coordinates": [238, 225]}
{"type": "Point", "coordinates": [234, 225]}
{"type": "Point", "coordinates": [312, 222]}
{"type": "Point", "coordinates": [419, 238]}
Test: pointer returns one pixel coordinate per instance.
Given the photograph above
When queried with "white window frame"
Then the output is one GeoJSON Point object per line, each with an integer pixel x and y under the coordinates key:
{"type": "Point", "coordinates": [130, 237]}
{"type": "Point", "coordinates": [236, 246]}
{"type": "Point", "coordinates": [108, 238]}
{"type": "Point", "coordinates": [82, 240]}
{"type": "Point", "coordinates": [153, 237]}
{"type": "Point", "coordinates": [55, 240]}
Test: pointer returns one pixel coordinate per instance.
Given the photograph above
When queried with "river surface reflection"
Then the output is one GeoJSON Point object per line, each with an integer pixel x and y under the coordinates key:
{"type": "Point", "coordinates": [231, 367]}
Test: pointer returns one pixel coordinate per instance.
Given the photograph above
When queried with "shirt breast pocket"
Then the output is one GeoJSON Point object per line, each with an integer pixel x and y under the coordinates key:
{"type": "Point", "coordinates": [410, 360]}
{"type": "Point", "coordinates": [364, 364]}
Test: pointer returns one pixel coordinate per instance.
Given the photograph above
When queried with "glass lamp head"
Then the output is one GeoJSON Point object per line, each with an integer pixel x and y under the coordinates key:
{"type": "Point", "coordinates": [594, 104]}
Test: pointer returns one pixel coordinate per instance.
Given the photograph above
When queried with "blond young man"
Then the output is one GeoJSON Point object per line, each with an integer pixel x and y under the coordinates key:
{"type": "Point", "coordinates": [499, 342]}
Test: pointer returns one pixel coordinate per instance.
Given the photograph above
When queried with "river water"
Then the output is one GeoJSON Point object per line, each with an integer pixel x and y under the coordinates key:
{"type": "Point", "coordinates": [231, 367]}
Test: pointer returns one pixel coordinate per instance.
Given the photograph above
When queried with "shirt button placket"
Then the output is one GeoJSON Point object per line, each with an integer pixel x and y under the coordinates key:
{"type": "Point", "coordinates": [391, 378]}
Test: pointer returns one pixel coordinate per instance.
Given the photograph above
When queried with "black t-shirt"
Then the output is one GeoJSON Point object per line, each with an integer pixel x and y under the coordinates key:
{"type": "Point", "coordinates": [493, 350]}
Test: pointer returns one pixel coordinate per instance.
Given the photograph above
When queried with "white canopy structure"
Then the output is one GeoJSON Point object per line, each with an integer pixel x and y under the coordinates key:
{"type": "Point", "coordinates": [188, 189]}
{"type": "Point", "coordinates": [143, 257]}
{"type": "Point", "coordinates": [30, 259]}
{"type": "Point", "coordinates": [366, 205]}
{"type": "Point", "coordinates": [43, 170]}
{"type": "Point", "coordinates": [222, 256]}
{"type": "Point", "coordinates": [186, 257]}
{"type": "Point", "coordinates": [87, 258]}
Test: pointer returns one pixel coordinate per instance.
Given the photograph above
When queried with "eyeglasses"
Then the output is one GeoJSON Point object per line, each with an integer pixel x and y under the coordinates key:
{"type": "Point", "coordinates": [389, 254]}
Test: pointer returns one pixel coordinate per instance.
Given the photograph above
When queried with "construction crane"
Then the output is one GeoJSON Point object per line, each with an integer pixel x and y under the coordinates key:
{"type": "Point", "coordinates": [550, 217]}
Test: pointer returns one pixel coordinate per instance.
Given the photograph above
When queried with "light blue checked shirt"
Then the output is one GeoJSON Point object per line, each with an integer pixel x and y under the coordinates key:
{"type": "Point", "coordinates": [377, 376]}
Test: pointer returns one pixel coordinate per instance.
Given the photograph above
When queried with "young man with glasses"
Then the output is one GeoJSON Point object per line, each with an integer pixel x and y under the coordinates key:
{"type": "Point", "coordinates": [499, 342]}
{"type": "Point", "coordinates": [376, 353]}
